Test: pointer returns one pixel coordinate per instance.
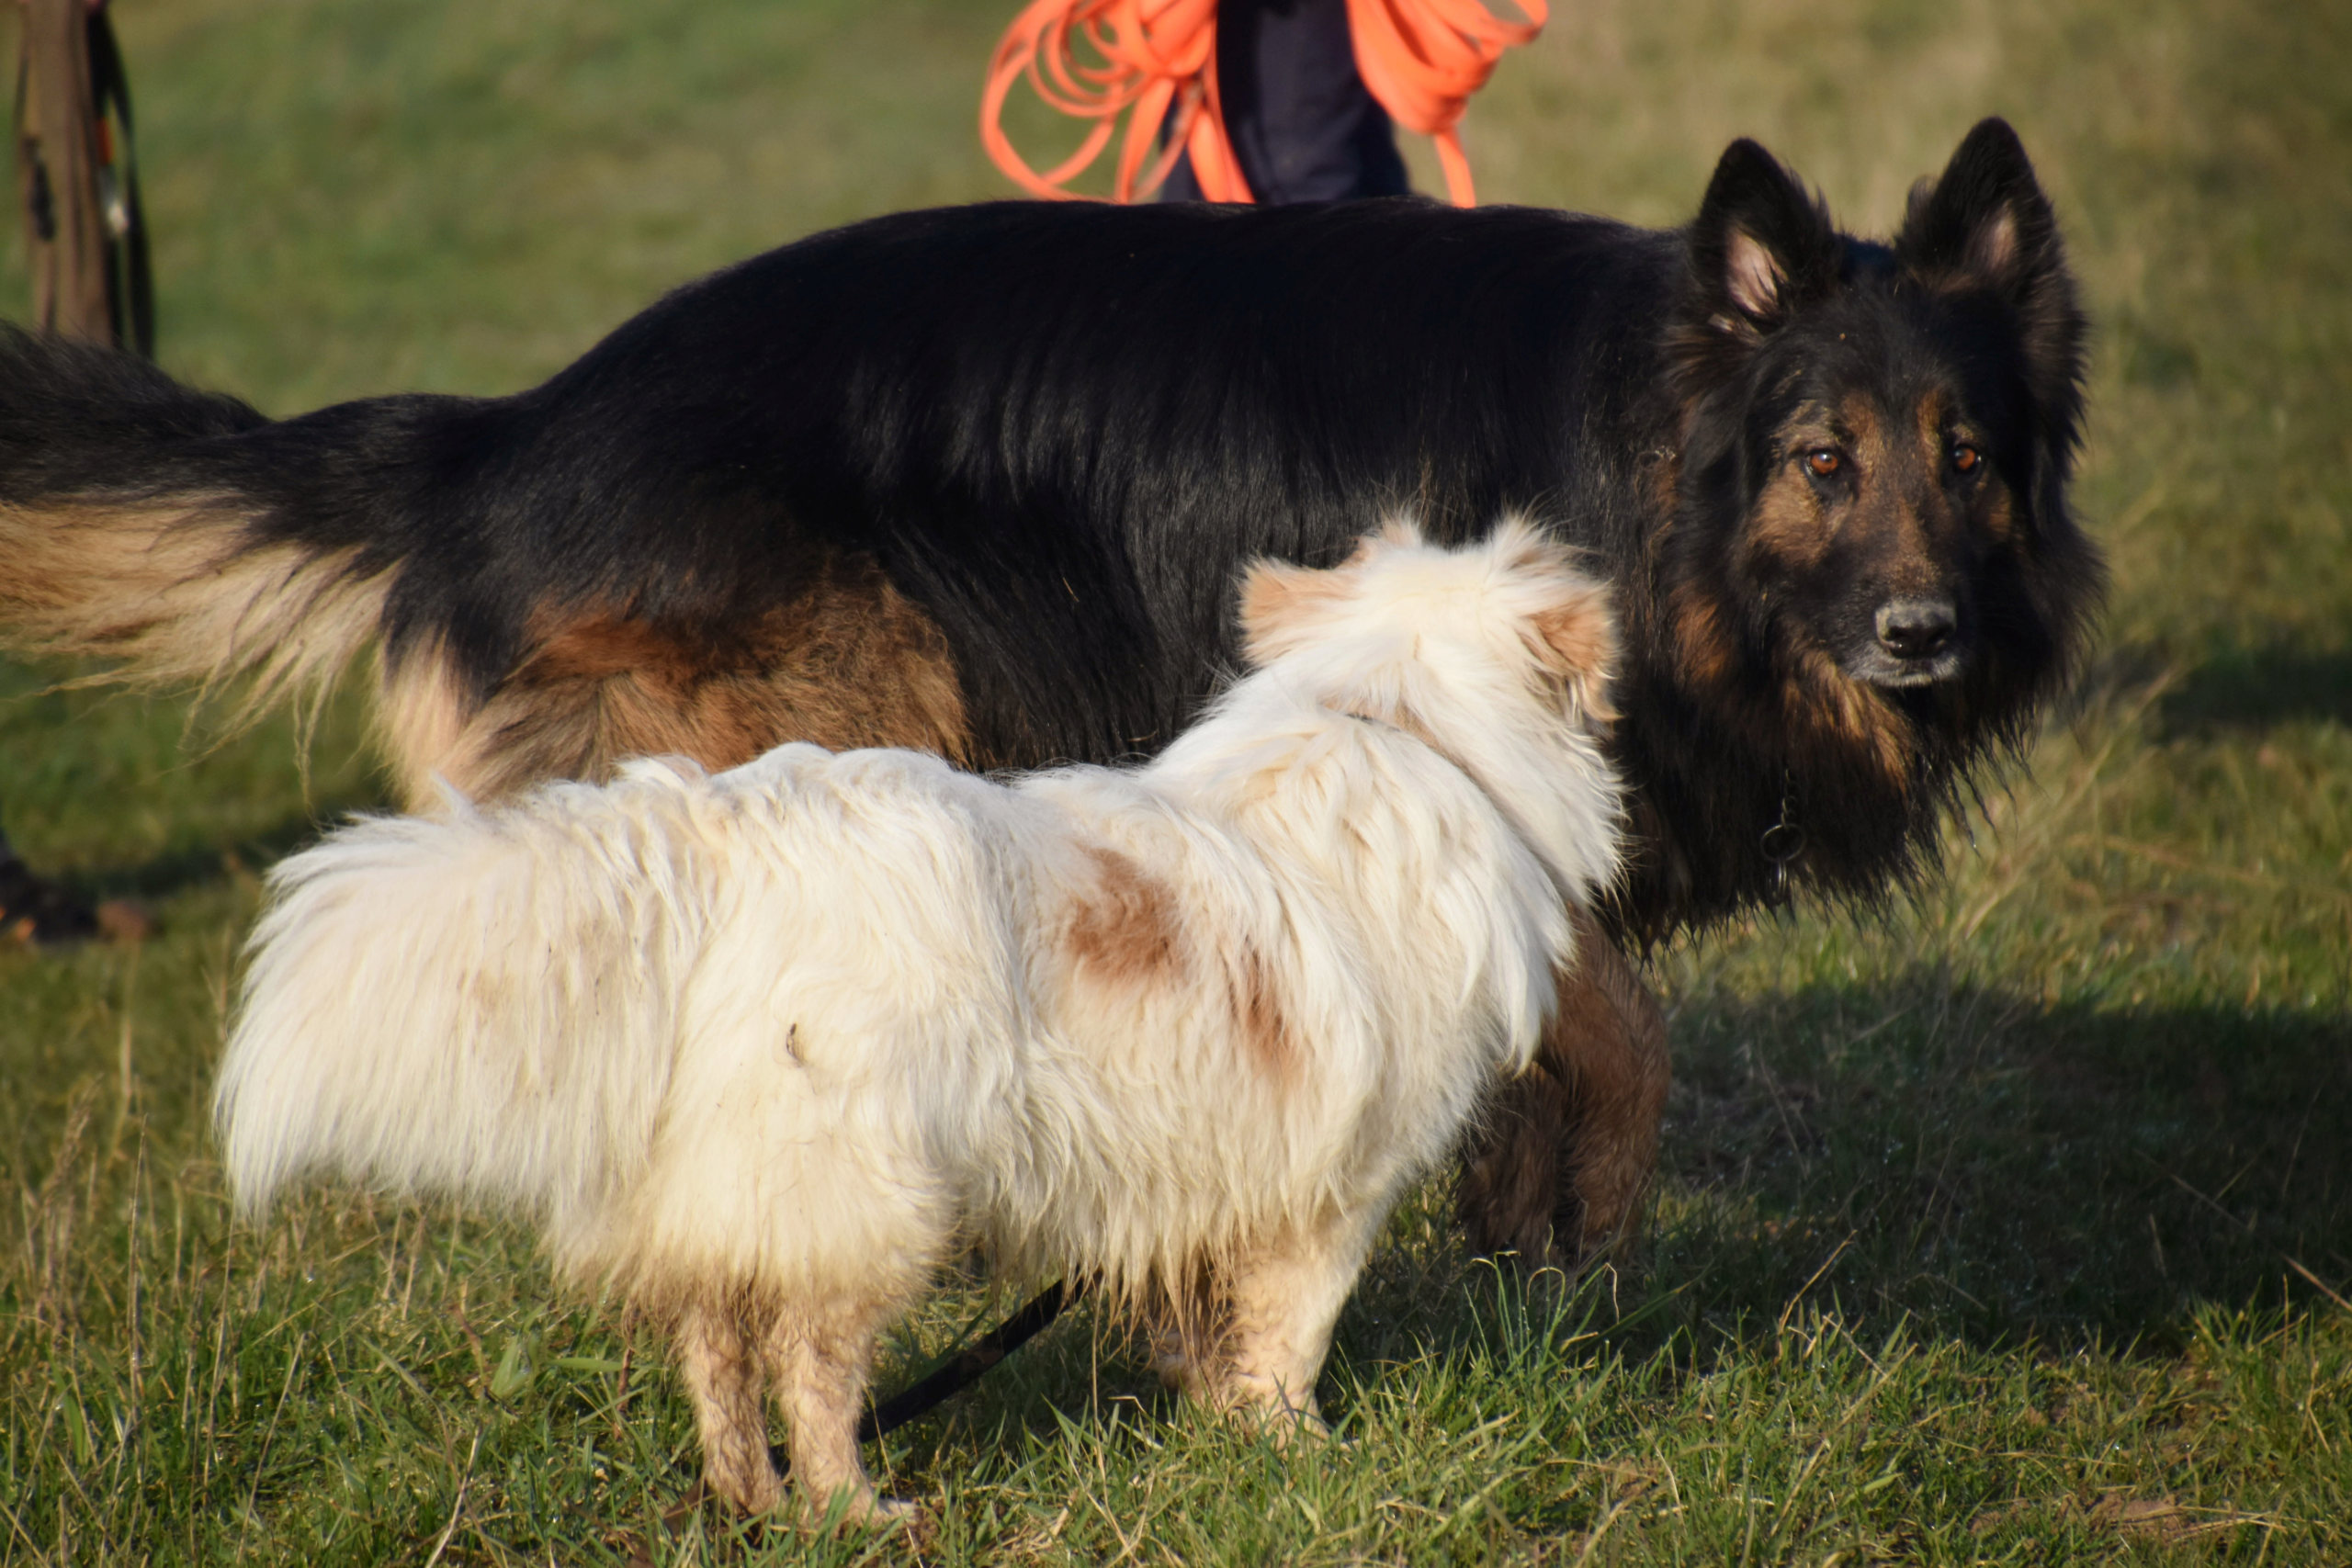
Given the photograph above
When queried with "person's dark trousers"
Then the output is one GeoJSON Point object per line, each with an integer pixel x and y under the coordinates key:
{"type": "Point", "coordinates": [1301, 121]}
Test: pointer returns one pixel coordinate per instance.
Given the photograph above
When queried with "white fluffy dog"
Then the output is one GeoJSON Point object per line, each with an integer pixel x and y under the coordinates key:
{"type": "Point", "coordinates": [761, 1049]}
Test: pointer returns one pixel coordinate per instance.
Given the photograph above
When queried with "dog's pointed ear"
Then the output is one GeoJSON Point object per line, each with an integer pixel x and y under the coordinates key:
{"type": "Point", "coordinates": [1761, 246]}
{"type": "Point", "coordinates": [1576, 638]}
{"type": "Point", "coordinates": [1984, 222]}
{"type": "Point", "coordinates": [1277, 602]}
{"type": "Point", "coordinates": [1984, 227]}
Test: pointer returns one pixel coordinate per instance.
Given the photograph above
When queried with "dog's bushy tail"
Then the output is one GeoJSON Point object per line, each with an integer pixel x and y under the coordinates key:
{"type": "Point", "coordinates": [482, 1005]}
{"type": "Point", "coordinates": [183, 534]}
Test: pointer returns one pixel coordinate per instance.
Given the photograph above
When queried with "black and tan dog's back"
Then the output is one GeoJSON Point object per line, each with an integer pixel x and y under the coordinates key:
{"type": "Point", "coordinates": [975, 480]}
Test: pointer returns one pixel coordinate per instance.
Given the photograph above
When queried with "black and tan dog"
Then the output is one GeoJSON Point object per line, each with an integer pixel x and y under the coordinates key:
{"type": "Point", "coordinates": [978, 480]}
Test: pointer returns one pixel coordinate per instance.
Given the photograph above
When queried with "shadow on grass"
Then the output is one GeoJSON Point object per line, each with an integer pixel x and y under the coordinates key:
{"type": "Point", "coordinates": [1963, 1161]}
{"type": "Point", "coordinates": [201, 865]}
{"type": "Point", "coordinates": [2257, 688]}
{"type": "Point", "coordinates": [1988, 1166]}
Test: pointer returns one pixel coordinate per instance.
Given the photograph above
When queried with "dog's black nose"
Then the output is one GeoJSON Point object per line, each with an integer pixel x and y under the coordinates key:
{"type": "Point", "coordinates": [1915, 628]}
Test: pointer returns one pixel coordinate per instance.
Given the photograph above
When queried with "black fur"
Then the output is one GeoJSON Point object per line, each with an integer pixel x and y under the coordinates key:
{"type": "Point", "coordinates": [1061, 429]}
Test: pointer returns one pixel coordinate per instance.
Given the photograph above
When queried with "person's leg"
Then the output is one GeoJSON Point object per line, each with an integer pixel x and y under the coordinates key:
{"type": "Point", "coordinates": [1301, 121]}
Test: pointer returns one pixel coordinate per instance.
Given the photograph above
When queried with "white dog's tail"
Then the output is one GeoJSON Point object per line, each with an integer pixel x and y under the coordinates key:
{"type": "Point", "coordinates": [484, 1005]}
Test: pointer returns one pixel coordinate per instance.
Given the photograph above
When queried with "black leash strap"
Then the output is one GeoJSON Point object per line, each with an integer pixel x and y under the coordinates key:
{"type": "Point", "coordinates": [965, 1368]}
{"type": "Point", "coordinates": [960, 1371]}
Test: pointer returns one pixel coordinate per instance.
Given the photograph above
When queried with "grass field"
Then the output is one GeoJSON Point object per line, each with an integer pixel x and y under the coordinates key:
{"type": "Point", "coordinates": [2016, 1227]}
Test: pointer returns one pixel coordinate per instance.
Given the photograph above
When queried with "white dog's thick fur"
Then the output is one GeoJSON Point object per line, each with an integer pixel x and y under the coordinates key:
{"type": "Point", "coordinates": [761, 1049]}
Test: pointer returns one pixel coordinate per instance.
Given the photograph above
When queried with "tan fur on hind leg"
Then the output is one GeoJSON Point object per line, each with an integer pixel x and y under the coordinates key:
{"type": "Point", "coordinates": [1284, 1298]}
{"type": "Point", "coordinates": [722, 1373]}
{"type": "Point", "coordinates": [850, 663]}
{"type": "Point", "coordinates": [1176, 1367]}
{"type": "Point", "coordinates": [820, 1358]}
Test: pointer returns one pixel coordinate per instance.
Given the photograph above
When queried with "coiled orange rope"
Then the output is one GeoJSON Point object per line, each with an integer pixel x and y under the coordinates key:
{"type": "Point", "coordinates": [1152, 54]}
{"type": "Point", "coordinates": [1421, 59]}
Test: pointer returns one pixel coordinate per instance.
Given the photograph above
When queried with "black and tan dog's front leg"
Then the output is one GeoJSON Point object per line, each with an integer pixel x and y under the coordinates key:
{"type": "Point", "coordinates": [1557, 1168]}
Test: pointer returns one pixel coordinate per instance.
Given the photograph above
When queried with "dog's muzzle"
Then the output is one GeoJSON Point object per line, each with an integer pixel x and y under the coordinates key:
{"type": "Point", "coordinates": [1915, 642]}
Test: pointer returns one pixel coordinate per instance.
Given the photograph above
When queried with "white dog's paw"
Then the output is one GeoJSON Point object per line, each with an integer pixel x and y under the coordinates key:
{"type": "Point", "coordinates": [862, 1511]}
{"type": "Point", "coordinates": [1292, 1424]}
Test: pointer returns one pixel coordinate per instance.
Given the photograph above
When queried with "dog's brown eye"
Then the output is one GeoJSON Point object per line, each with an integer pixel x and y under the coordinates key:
{"type": "Point", "coordinates": [1965, 457]}
{"type": "Point", "coordinates": [1823, 461]}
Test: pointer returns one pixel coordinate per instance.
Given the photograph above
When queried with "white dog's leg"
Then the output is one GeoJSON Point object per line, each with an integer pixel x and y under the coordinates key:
{"type": "Point", "coordinates": [723, 1379]}
{"type": "Point", "coordinates": [1285, 1297]}
{"type": "Point", "coordinates": [1183, 1335]}
{"type": "Point", "coordinates": [1177, 1368]}
{"type": "Point", "coordinates": [820, 1357]}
